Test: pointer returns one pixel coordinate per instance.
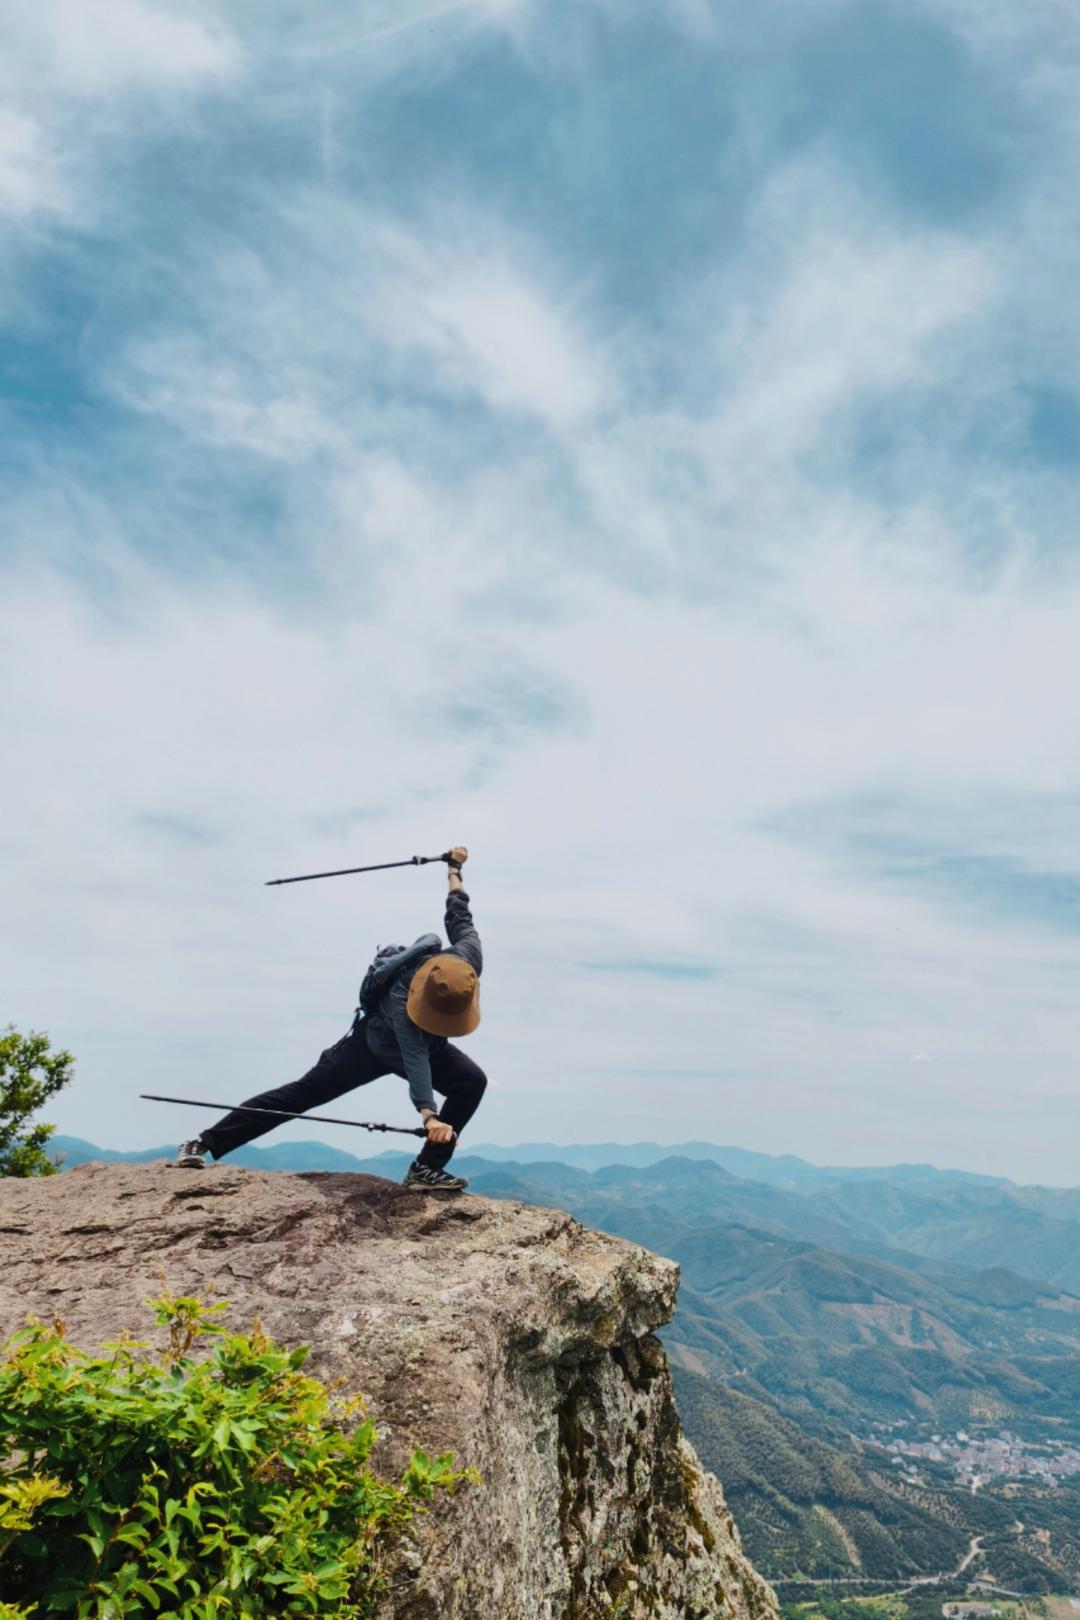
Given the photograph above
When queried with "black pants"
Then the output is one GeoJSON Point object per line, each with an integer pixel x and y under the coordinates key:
{"type": "Point", "coordinates": [343, 1067]}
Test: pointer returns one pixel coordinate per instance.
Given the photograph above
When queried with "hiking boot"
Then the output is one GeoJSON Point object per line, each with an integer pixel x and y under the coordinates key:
{"type": "Point", "coordinates": [426, 1178]}
{"type": "Point", "coordinates": [191, 1155]}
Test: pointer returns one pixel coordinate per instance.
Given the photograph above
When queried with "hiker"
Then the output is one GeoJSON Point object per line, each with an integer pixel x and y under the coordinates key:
{"type": "Point", "coordinates": [412, 1000]}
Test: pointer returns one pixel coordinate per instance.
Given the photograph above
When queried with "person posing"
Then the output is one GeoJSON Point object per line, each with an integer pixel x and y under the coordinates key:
{"type": "Point", "coordinates": [430, 994]}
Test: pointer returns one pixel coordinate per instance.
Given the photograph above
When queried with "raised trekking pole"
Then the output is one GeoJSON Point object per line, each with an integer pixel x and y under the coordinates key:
{"type": "Point", "coordinates": [279, 1113]}
{"type": "Point", "coordinates": [347, 871]}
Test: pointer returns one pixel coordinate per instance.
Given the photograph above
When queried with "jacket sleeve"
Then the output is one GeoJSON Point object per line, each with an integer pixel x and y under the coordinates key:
{"type": "Point", "coordinates": [415, 1056]}
{"type": "Point", "coordinates": [461, 930]}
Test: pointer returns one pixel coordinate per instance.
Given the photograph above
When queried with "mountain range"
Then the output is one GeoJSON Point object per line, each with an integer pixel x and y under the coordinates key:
{"type": "Point", "coordinates": [782, 1170]}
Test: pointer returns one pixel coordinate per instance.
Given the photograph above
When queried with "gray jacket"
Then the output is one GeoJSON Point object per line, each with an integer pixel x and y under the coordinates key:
{"type": "Point", "coordinates": [391, 1033]}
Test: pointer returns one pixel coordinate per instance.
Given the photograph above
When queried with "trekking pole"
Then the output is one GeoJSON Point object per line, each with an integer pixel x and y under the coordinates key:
{"type": "Point", "coordinates": [347, 871]}
{"type": "Point", "coordinates": [279, 1113]}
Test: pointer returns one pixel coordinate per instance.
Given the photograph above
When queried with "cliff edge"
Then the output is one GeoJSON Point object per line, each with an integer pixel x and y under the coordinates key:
{"type": "Point", "coordinates": [510, 1335]}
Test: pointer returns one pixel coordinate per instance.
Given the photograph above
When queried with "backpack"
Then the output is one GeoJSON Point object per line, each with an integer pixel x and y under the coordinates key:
{"type": "Point", "coordinates": [388, 963]}
{"type": "Point", "coordinates": [379, 977]}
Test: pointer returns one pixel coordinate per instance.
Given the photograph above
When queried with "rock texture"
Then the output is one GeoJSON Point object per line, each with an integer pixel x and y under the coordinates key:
{"type": "Point", "coordinates": [507, 1334]}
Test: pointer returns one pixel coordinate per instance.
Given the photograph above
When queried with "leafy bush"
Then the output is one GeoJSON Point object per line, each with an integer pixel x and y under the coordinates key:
{"type": "Point", "coordinates": [30, 1073]}
{"type": "Point", "coordinates": [232, 1486]}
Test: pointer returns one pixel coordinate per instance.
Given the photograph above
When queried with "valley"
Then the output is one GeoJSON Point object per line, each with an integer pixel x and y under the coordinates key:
{"type": "Point", "coordinates": [879, 1417]}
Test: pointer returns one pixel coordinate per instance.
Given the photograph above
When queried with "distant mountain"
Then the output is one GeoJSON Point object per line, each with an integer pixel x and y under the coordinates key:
{"type": "Point", "coordinates": [784, 1170]}
{"type": "Point", "coordinates": [674, 1190]}
{"type": "Point", "coordinates": [72, 1150]}
{"type": "Point", "coordinates": [844, 1343]}
{"type": "Point", "coordinates": [1034, 1230]}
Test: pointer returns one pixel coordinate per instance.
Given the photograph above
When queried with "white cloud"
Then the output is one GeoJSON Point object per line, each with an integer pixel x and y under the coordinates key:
{"type": "Point", "coordinates": [1008, 31]}
{"type": "Point", "coordinates": [216, 401]}
{"type": "Point", "coordinates": [30, 182]}
{"type": "Point", "coordinates": [66, 69]}
{"type": "Point", "coordinates": [852, 315]}
{"type": "Point", "coordinates": [385, 32]}
{"type": "Point", "coordinates": [63, 47]}
{"type": "Point", "coordinates": [835, 297]}
{"type": "Point", "coordinates": [490, 327]}
{"type": "Point", "coordinates": [351, 320]}
{"type": "Point", "coordinates": [830, 306]}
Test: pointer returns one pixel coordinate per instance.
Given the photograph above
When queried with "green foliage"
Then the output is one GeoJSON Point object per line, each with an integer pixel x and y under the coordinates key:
{"type": "Point", "coordinates": [29, 1074]}
{"type": "Point", "coordinates": [233, 1487]}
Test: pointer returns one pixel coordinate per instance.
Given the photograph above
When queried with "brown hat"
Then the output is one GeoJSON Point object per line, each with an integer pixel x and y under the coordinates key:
{"type": "Point", "coordinates": [444, 996]}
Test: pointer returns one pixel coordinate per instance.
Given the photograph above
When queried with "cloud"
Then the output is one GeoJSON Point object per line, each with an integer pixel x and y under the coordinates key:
{"type": "Point", "coordinates": [488, 327]}
{"type": "Point", "coordinates": [714, 1073]}
{"type": "Point", "coordinates": [209, 397]}
{"type": "Point", "coordinates": [393, 24]}
{"type": "Point", "coordinates": [861, 306]}
{"type": "Point", "coordinates": [120, 46]}
{"type": "Point", "coordinates": [350, 35]}
{"type": "Point", "coordinates": [1003, 873]}
{"type": "Point", "coordinates": [175, 828]}
{"type": "Point", "coordinates": [67, 72]}
{"type": "Point", "coordinates": [657, 970]}
{"type": "Point", "coordinates": [29, 177]}
{"type": "Point", "coordinates": [348, 330]}
{"type": "Point", "coordinates": [509, 702]}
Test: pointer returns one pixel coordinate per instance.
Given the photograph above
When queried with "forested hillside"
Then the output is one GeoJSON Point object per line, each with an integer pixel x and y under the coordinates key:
{"type": "Point", "coordinates": [799, 1362]}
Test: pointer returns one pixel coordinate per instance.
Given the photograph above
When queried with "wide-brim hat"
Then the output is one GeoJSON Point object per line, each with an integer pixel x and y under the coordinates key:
{"type": "Point", "coordinates": [444, 996]}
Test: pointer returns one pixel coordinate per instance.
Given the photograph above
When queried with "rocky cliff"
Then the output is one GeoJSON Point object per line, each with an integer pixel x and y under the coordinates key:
{"type": "Point", "coordinates": [510, 1335]}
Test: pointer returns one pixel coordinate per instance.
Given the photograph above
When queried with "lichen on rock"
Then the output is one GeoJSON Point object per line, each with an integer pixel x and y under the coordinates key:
{"type": "Point", "coordinates": [508, 1334]}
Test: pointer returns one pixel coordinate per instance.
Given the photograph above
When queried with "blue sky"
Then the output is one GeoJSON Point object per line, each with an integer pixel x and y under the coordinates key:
{"type": "Point", "coordinates": [641, 441]}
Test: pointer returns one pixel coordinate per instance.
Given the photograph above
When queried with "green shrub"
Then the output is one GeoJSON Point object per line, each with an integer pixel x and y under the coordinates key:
{"type": "Point", "coordinates": [30, 1073]}
{"type": "Point", "coordinates": [230, 1486]}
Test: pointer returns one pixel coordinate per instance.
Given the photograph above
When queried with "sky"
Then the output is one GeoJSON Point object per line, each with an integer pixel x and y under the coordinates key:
{"type": "Point", "coordinates": [638, 439]}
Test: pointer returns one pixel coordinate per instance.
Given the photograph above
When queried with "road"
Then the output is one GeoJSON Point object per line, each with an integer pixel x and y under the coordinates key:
{"type": "Point", "coordinates": [974, 1549]}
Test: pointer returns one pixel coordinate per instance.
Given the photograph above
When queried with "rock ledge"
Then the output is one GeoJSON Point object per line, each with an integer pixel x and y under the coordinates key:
{"type": "Point", "coordinates": [508, 1334]}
